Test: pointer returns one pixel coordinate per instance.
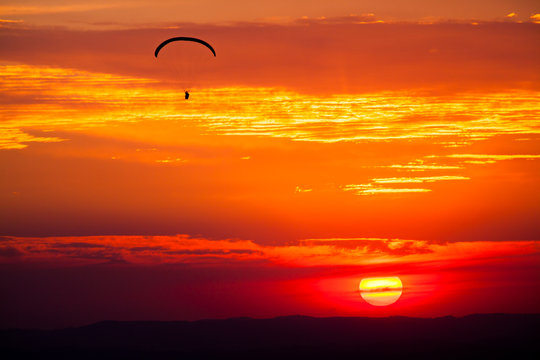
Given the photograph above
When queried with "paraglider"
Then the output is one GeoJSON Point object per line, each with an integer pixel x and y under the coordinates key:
{"type": "Point", "coordinates": [182, 38]}
{"type": "Point", "coordinates": [190, 61]}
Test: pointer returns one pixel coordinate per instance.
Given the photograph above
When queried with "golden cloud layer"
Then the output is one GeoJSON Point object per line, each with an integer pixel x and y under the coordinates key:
{"type": "Point", "coordinates": [54, 98]}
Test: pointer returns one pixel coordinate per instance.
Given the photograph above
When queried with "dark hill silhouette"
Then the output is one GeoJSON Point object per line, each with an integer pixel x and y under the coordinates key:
{"type": "Point", "coordinates": [489, 336]}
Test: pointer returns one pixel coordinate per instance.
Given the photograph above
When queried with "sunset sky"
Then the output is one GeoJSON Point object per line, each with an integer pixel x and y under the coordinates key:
{"type": "Point", "coordinates": [327, 142]}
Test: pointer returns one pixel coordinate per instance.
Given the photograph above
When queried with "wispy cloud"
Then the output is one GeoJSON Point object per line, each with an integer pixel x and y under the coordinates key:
{"type": "Point", "coordinates": [377, 185]}
{"type": "Point", "coordinates": [371, 189]}
{"type": "Point", "coordinates": [367, 18]}
{"type": "Point", "coordinates": [17, 139]}
{"type": "Point", "coordinates": [407, 180]}
{"type": "Point", "coordinates": [66, 97]}
{"type": "Point", "coordinates": [10, 21]}
{"type": "Point", "coordinates": [57, 8]}
{"type": "Point", "coordinates": [495, 157]}
{"type": "Point", "coordinates": [487, 158]}
{"type": "Point", "coordinates": [419, 165]}
{"type": "Point", "coordinates": [373, 245]}
{"type": "Point", "coordinates": [309, 252]}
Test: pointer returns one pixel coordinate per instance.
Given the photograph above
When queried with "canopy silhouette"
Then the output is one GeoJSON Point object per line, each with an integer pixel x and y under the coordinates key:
{"type": "Point", "coordinates": [183, 38]}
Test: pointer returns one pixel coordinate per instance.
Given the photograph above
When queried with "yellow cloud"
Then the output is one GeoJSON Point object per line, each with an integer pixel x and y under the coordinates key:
{"type": "Point", "coordinates": [492, 157]}
{"type": "Point", "coordinates": [375, 186]}
{"type": "Point", "coordinates": [62, 98]}
{"type": "Point", "coordinates": [419, 166]}
{"type": "Point", "coordinates": [17, 139]}
{"type": "Point", "coordinates": [405, 180]}
{"type": "Point", "coordinates": [370, 189]}
{"type": "Point", "coordinates": [51, 9]}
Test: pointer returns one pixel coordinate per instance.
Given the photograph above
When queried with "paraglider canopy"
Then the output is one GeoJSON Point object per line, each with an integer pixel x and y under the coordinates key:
{"type": "Point", "coordinates": [185, 61]}
{"type": "Point", "coordinates": [183, 38]}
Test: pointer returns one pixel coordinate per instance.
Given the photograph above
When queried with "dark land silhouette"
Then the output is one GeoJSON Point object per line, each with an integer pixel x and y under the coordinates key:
{"type": "Point", "coordinates": [487, 336]}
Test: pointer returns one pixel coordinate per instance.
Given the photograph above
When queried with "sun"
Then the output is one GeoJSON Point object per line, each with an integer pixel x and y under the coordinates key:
{"type": "Point", "coordinates": [381, 291]}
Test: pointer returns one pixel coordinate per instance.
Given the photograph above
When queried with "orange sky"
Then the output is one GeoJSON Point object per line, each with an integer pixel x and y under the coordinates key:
{"type": "Point", "coordinates": [312, 153]}
{"type": "Point", "coordinates": [129, 13]}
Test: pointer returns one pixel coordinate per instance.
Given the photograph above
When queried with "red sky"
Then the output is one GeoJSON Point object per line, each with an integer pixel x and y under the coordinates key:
{"type": "Point", "coordinates": [324, 144]}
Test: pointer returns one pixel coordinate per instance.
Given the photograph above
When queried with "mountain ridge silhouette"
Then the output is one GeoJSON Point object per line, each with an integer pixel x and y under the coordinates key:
{"type": "Point", "coordinates": [477, 336]}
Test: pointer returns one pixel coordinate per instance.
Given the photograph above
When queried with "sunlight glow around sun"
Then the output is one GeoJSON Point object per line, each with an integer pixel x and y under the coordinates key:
{"type": "Point", "coordinates": [381, 291]}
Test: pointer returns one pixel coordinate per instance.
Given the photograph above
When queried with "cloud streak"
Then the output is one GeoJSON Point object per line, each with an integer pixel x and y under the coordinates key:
{"type": "Point", "coordinates": [183, 249]}
{"type": "Point", "coordinates": [66, 99]}
{"type": "Point", "coordinates": [378, 185]}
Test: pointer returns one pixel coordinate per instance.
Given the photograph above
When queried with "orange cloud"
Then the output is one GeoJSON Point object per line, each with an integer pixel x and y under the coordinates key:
{"type": "Point", "coordinates": [307, 253]}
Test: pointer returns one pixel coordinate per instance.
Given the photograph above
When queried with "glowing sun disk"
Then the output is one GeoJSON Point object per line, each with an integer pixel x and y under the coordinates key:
{"type": "Point", "coordinates": [381, 291]}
